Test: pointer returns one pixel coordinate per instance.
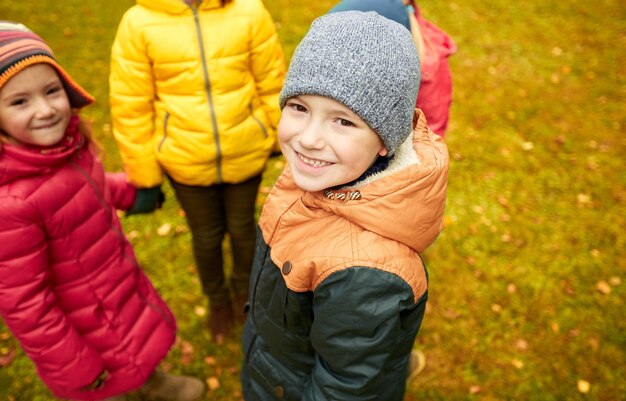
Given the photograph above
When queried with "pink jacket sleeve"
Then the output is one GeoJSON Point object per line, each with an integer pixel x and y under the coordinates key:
{"type": "Point", "coordinates": [122, 192]}
{"type": "Point", "coordinates": [29, 308]}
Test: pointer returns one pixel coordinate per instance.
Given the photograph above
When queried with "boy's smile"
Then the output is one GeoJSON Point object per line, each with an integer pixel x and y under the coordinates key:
{"type": "Point", "coordinates": [34, 107]}
{"type": "Point", "coordinates": [325, 143]}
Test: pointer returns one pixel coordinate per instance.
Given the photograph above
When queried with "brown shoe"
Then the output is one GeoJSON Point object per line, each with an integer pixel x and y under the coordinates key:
{"type": "Point", "coordinates": [166, 387]}
{"type": "Point", "coordinates": [221, 322]}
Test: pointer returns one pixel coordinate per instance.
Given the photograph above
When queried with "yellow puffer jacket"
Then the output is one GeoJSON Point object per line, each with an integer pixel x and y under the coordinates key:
{"type": "Point", "coordinates": [194, 90]}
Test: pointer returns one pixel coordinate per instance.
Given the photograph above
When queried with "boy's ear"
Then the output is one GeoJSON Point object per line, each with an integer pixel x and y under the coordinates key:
{"type": "Point", "coordinates": [383, 150]}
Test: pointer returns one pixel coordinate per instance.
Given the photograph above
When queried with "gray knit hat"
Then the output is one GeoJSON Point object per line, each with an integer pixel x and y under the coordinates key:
{"type": "Point", "coordinates": [365, 61]}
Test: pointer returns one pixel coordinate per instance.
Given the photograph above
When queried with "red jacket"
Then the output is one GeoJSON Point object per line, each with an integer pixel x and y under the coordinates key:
{"type": "Point", "coordinates": [71, 290]}
{"type": "Point", "coordinates": [435, 93]}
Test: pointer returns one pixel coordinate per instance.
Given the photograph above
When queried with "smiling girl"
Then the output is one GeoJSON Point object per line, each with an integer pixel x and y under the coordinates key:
{"type": "Point", "coordinates": [71, 290]}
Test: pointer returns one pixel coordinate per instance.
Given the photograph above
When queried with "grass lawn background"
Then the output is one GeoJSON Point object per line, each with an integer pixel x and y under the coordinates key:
{"type": "Point", "coordinates": [528, 279]}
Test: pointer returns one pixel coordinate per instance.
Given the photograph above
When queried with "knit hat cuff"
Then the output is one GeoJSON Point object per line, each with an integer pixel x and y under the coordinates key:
{"type": "Point", "coordinates": [78, 96]}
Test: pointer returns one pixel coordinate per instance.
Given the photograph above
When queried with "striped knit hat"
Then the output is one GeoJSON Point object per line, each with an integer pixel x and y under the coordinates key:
{"type": "Point", "coordinates": [21, 48]}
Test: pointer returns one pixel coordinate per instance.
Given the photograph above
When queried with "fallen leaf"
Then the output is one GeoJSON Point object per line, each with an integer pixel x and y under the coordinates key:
{"type": "Point", "coordinates": [200, 310]}
{"type": "Point", "coordinates": [527, 146]}
{"type": "Point", "coordinates": [210, 360]}
{"type": "Point", "coordinates": [517, 363]}
{"type": "Point", "coordinates": [555, 327]}
{"type": "Point", "coordinates": [583, 199]}
{"type": "Point", "coordinates": [164, 229]}
{"type": "Point", "coordinates": [615, 281]}
{"type": "Point", "coordinates": [213, 383]}
{"type": "Point", "coordinates": [496, 308]}
{"type": "Point", "coordinates": [521, 344]}
{"type": "Point", "coordinates": [603, 287]}
{"type": "Point", "coordinates": [595, 253]}
{"type": "Point", "coordinates": [583, 386]}
{"type": "Point", "coordinates": [4, 336]}
{"type": "Point", "coordinates": [511, 288]}
{"type": "Point", "coordinates": [475, 389]}
{"type": "Point", "coordinates": [6, 356]}
{"type": "Point", "coordinates": [186, 349]}
{"type": "Point", "coordinates": [181, 230]}
{"type": "Point", "coordinates": [555, 78]}
{"type": "Point", "coordinates": [560, 139]}
{"type": "Point", "coordinates": [132, 235]}
{"type": "Point", "coordinates": [478, 209]}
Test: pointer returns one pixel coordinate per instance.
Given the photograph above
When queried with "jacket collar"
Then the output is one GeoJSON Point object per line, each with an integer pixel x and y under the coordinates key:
{"type": "Point", "coordinates": [21, 161]}
{"type": "Point", "coordinates": [405, 202]}
{"type": "Point", "coordinates": [177, 6]}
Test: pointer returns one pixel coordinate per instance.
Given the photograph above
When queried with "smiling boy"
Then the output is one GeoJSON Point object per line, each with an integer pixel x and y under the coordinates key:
{"type": "Point", "coordinates": [338, 289]}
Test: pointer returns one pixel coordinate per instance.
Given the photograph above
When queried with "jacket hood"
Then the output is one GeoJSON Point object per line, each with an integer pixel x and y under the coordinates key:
{"type": "Point", "coordinates": [176, 6]}
{"type": "Point", "coordinates": [19, 162]}
{"type": "Point", "coordinates": [405, 202]}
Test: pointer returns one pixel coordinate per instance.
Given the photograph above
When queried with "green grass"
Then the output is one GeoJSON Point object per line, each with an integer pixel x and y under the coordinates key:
{"type": "Point", "coordinates": [535, 215]}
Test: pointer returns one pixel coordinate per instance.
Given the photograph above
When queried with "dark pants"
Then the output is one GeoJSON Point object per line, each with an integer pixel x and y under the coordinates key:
{"type": "Point", "coordinates": [212, 212]}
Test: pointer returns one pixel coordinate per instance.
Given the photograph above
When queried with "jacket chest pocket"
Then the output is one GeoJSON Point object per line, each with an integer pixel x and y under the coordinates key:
{"type": "Point", "coordinates": [298, 314]}
{"type": "Point", "coordinates": [287, 311]}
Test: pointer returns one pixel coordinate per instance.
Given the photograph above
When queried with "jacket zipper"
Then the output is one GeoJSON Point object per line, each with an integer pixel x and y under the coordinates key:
{"type": "Point", "coordinates": [258, 121]}
{"type": "Point", "coordinates": [165, 120]}
{"type": "Point", "coordinates": [121, 236]}
{"type": "Point", "coordinates": [207, 87]}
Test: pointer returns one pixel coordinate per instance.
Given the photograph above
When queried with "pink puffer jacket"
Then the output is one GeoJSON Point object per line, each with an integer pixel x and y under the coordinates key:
{"type": "Point", "coordinates": [435, 93]}
{"type": "Point", "coordinates": [71, 290]}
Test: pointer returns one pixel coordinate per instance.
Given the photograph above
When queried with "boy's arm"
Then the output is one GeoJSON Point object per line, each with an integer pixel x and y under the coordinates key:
{"type": "Point", "coordinates": [267, 63]}
{"type": "Point", "coordinates": [363, 319]}
{"type": "Point", "coordinates": [28, 306]}
{"type": "Point", "coordinates": [131, 96]}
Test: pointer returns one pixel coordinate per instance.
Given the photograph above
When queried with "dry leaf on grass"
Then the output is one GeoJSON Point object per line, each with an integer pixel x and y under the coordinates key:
{"type": "Point", "coordinates": [517, 363]}
{"type": "Point", "coordinates": [6, 356]}
{"type": "Point", "coordinates": [583, 386]}
{"type": "Point", "coordinates": [475, 389]}
{"type": "Point", "coordinates": [603, 287]}
{"type": "Point", "coordinates": [213, 383]}
{"type": "Point", "coordinates": [164, 229]}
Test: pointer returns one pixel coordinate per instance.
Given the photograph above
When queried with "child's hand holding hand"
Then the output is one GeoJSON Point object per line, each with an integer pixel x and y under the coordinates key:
{"type": "Point", "coordinates": [147, 200]}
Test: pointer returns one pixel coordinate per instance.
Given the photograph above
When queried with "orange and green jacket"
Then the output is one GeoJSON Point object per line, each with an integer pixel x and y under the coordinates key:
{"type": "Point", "coordinates": [338, 287]}
{"type": "Point", "coordinates": [194, 90]}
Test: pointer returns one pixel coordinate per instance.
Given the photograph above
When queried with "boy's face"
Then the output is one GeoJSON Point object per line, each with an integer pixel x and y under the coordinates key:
{"type": "Point", "coordinates": [34, 107]}
{"type": "Point", "coordinates": [325, 143]}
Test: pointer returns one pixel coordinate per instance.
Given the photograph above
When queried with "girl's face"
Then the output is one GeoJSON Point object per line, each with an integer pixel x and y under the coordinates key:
{"type": "Point", "coordinates": [325, 143]}
{"type": "Point", "coordinates": [34, 107]}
